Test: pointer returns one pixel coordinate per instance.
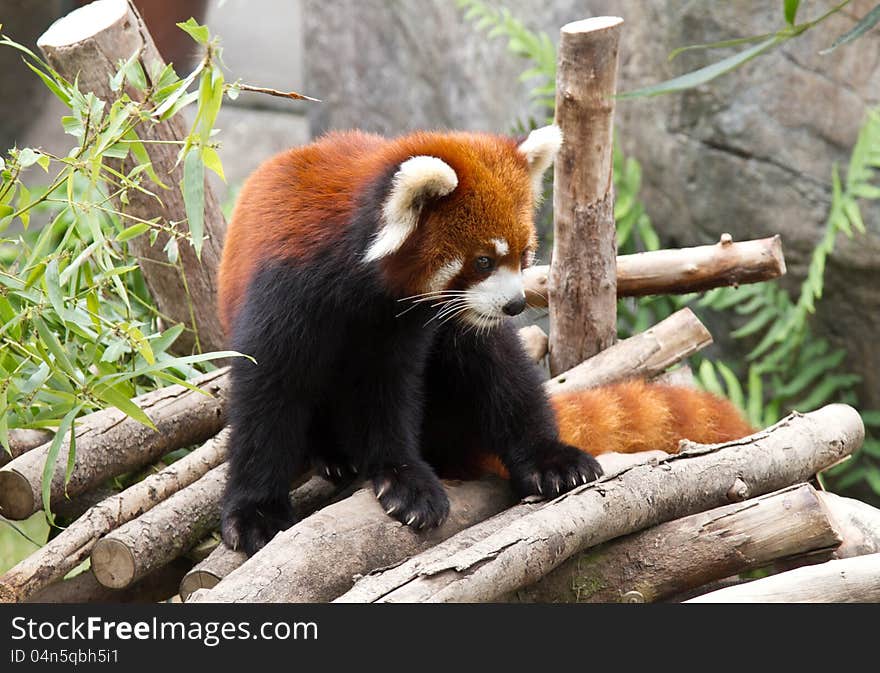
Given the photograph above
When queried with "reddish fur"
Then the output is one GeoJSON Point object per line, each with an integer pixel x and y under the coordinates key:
{"type": "Point", "coordinates": [636, 416]}
{"type": "Point", "coordinates": [298, 203]}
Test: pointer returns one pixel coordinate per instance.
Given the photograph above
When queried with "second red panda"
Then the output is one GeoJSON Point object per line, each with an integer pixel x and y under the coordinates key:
{"type": "Point", "coordinates": [372, 281]}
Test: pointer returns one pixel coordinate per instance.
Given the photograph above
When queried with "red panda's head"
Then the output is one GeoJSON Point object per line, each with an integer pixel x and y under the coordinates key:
{"type": "Point", "coordinates": [457, 224]}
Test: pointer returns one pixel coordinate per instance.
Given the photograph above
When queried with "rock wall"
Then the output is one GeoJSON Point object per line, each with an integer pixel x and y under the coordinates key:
{"type": "Point", "coordinates": [751, 153]}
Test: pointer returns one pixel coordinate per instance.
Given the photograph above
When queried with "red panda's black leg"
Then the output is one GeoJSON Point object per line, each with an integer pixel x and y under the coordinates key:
{"type": "Point", "coordinates": [378, 416]}
{"type": "Point", "coordinates": [486, 386]}
{"type": "Point", "coordinates": [265, 455]}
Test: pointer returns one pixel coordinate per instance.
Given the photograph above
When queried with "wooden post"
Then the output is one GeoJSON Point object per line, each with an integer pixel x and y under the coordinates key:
{"type": "Point", "coordinates": [87, 44]}
{"type": "Point", "coordinates": [583, 274]}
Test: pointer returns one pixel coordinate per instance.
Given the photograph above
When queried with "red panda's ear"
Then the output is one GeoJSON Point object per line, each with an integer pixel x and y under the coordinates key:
{"type": "Point", "coordinates": [540, 149]}
{"type": "Point", "coordinates": [418, 180]}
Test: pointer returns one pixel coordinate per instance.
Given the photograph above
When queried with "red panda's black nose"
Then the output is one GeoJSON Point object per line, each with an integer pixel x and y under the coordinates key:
{"type": "Point", "coordinates": [514, 306]}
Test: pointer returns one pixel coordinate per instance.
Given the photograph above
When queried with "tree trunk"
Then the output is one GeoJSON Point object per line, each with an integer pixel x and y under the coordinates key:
{"type": "Point", "coordinates": [109, 443]}
{"type": "Point", "coordinates": [160, 535]}
{"type": "Point", "coordinates": [644, 355]}
{"type": "Point", "coordinates": [680, 555]}
{"type": "Point", "coordinates": [852, 580]}
{"type": "Point", "coordinates": [87, 44]}
{"type": "Point", "coordinates": [683, 270]}
{"type": "Point", "coordinates": [697, 479]}
{"type": "Point", "coordinates": [73, 545]}
{"type": "Point", "coordinates": [583, 273]}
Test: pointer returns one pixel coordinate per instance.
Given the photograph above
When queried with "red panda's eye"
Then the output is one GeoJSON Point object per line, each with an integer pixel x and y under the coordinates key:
{"type": "Point", "coordinates": [484, 263]}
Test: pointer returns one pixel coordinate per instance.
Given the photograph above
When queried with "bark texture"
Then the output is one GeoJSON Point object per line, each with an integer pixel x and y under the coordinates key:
{"type": "Point", "coordinates": [680, 555]}
{"type": "Point", "coordinates": [644, 355]}
{"type": "Point", "coordinates": [583, 271]}
{"type": "Point", "coordinates": [90, 49]}
{"type": "Point", "coordinates": [73, 545]}
{"type": "Point", "coordinates": [682, 270]}
{"type": "Point", "coordinates": [699, 478]}
{"type": "Point", "coordinates": [22, 440]}
{"type": "Point", "coordinates": [109, 443]}
{"type": "Point", "coordinates": [852, 580]}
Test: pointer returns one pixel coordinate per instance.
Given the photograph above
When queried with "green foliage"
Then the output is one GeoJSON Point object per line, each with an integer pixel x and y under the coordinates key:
{"type": "Point", "coordinates": [788, 367]}
{"type": "Point", "coordinates": [536, 48]}
{"type": "Point", "coordinates": [78, 328]}
{"type": "Point", "coordinates": [766, 42]}
{"type": "Point", "coordinates": [792, 367]}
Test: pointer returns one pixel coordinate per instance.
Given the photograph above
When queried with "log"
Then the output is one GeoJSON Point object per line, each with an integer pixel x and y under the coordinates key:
{"type": "Point", "coordinates": [644, 355]}
{"type": "Point", "coordinates": [87, 44]}
{"type": "Point", "coordinates": [109, 443]}
{"type": "Point", "coordinates": [160, 535]}
{"type": "Point", "coordinates": [683, 270]}
{"type": "Point", "coordinates": [699, 478]}
{"type": "Point", "coordinates": [306, 499]}
{"type": "Point", "coordinates": [686, 553]}
{"type": "Point", "coordinates": [22, 440]}
{"type": "Point", "coordinates": [84, 588]}
{"type": "Point", "coordinates": [857, 522]}
{"type": "Point", "coordinates": [73, 545]}
{"type": "Point", "coordinates": [372, 585]}
{"type": "Point", "coordinates": [583, 270]}
{"type": "Point", "coordinates": [318, 558]}
{"type": "Point", "coordinates": [682, 376]}
{"type": "Point", "coordinates": [851, 580]}
{"type": "Point", "coordinates": [223, 560]}
{"type": "Point", "coordinates": [535, 341]}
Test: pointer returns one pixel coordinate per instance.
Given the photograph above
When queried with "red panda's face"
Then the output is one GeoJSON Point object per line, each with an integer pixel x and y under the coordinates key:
{"type": "Point", "coordinates": [458, 230]}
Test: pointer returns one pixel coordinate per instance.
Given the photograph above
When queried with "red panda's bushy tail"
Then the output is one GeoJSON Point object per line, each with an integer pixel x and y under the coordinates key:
{"type": "Point", "coordinates": [636, 416]}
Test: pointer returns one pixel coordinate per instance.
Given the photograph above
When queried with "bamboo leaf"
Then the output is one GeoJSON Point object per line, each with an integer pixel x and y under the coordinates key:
{"type": "Point", "coordinates": [706, 74]}
{"type": "Point", "coordinates": [193, 187]}
{"type": "Point", "coordinates": [115, 397]}
{"type": "Point", "coordinates": [790, 9]}
{"type": "Point", "coordinates": [52, 456]}
{"type": "Point", "coordinates": [865, 24]}
{"type": "Point", "coordinates": [197, 32]}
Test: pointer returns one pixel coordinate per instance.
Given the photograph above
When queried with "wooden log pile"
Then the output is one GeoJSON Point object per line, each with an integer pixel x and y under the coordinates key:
{"type": "Point", "coordinates": [655, 527]}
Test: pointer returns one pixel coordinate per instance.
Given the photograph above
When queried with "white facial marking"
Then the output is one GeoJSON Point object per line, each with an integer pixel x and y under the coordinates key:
{"type": "Point", "coordinates": [418, 179]}
{"type": "Point", "coordinates": [501, 247]}
{"type": "Point", "coordinates": [540, 149]}
{"type": "Point", "coordinates": [488, 297]}
{"type": "Point", "coordinates": [444, 274]}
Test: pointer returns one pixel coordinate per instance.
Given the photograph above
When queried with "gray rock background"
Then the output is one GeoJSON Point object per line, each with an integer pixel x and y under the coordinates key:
{"type": "Point", "coordinates": [751, 153]}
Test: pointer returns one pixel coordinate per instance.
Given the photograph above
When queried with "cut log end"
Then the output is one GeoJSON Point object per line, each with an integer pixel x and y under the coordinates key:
{"type": "Point", "coordinates": [592, 24]}
{"type": "Point", "coordinates": [199, 579]}
{"type": "Point", "coordinates": [113, 563]}
{"type": "Point", "coordinates": [83, 22]}
{"type": "Point", "coordinates": [18, 496]}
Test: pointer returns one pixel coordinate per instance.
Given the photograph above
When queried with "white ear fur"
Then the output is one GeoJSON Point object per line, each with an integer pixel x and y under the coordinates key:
{"type": "Point", "coordinates": [418, 179]}
{"type": "Point", "coordinates": [540, 149]}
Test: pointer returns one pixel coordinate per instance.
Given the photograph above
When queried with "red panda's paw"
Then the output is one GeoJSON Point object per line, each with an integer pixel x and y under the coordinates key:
{"type": "Point", "coordinates": [554, 471]}
{"type": "Point", "coordinates": [412, 494]}
{"type": "Point", "coordinates": [249, 527]}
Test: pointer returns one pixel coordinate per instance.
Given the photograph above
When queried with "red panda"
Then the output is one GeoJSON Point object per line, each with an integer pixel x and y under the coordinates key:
{"type": "Point", "coordinates": [371, 280]}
